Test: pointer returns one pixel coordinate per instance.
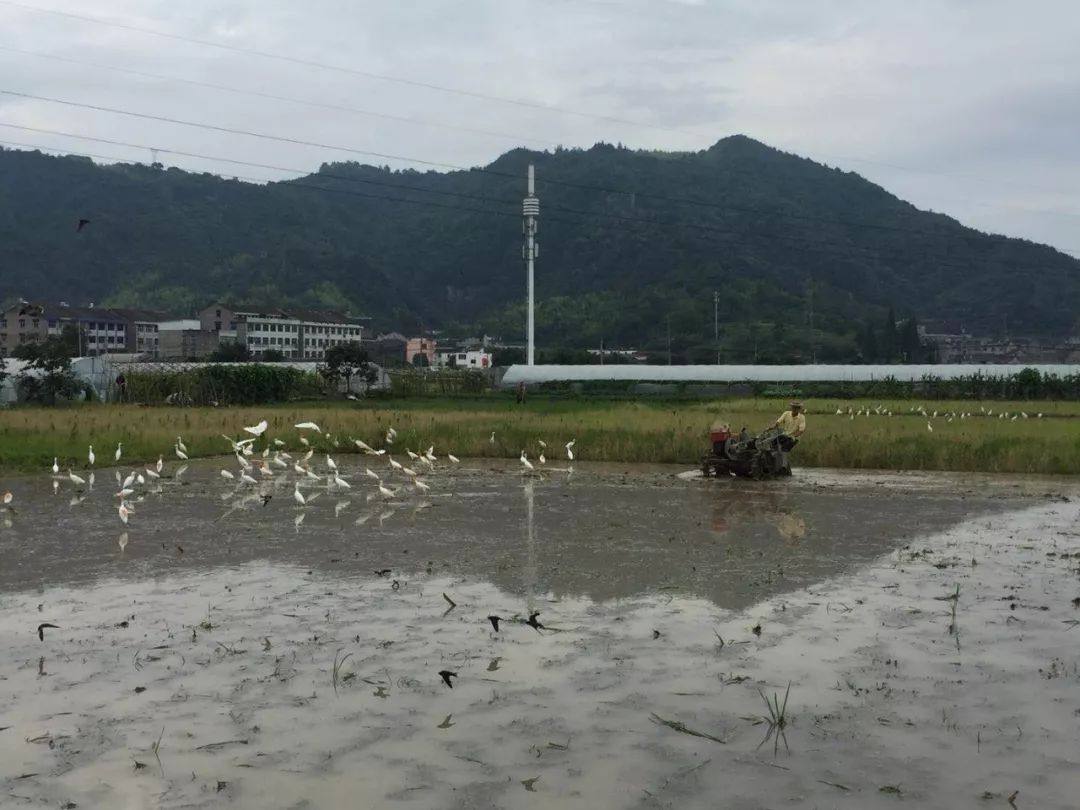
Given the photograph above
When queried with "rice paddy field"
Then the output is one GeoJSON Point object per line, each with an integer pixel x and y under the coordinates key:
{"type": "Point", "coordinates": [1014, 437]}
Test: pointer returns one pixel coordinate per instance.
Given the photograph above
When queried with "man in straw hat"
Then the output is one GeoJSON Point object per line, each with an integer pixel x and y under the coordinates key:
{"type": "Point", "coordinates": [792, 423]}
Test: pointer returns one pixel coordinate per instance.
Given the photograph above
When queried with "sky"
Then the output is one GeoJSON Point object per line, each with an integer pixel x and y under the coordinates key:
{"type": "Point", "coordinates": [965, 107]}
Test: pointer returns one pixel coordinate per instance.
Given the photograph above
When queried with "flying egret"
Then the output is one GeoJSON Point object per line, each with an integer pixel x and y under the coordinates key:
{"type": "Point", "coordinates": [180, 454]}
{"type": "Point", "coordinates": [257, 430]}
{"type": "Point", "coordinates": [91, 455]}
{"type": "Point", "coordinates": [237, 446]}
{"type": "Point", "coordinates": [525, 462]}
{"type": "Point", "coordinates": [227, 475]}
{"type": "Point", "coordinates": [364, 447]}
{"type": "Point", "coordinates": [118, 453]}
{"type": "Point", "coordinates": [298, 496]}
{"type": "Point", "coordinates": [180, 444]}
{"type": "Point", "coordinates": [308, 426]}
{"type": "Point", "coordinates": [55, 467]}
{"type": "Point", "coordinates": [453, 459]}
{"type": "Point", "coordinates": [76, 480]}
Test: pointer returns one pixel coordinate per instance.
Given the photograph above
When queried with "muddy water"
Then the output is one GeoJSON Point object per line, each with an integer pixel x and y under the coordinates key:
{"type": "Point", "coordinates": [667, 605]}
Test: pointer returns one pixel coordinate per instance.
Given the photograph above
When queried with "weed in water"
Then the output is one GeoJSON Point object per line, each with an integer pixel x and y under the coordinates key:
{"type": "Point", "coordinates": [339, 661]}
{"type": "Point", "coordinates": [777, 719]}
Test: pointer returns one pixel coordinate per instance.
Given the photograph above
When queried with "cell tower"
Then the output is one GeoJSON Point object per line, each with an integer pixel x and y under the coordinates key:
{"type": "Point", "coordinates": [530, 208]}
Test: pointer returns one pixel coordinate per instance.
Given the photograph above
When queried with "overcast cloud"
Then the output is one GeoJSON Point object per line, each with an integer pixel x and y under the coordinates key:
{"type": "Point", "coordinates": [967, 107]}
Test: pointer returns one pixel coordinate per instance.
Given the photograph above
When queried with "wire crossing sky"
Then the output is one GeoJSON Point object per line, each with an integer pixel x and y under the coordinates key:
{"type": "Point", "coordinates": [970, 109]}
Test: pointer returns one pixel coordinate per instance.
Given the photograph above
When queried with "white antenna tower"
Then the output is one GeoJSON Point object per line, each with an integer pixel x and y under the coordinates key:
{"type": "Point", "coordinates": [530, 251]}
{"type": "Point", "coordinates": [153, 155]}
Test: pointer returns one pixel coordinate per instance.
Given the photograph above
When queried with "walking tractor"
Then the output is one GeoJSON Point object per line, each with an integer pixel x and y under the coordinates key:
{"type": "Point", "coordinates": [746, 456]}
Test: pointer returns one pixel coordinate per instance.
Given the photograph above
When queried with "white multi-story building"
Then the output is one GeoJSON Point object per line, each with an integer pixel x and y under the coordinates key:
{"type": "Point", "coordinates": [465, 358]}
{"type": "Point", "coordinates": [299, 334]}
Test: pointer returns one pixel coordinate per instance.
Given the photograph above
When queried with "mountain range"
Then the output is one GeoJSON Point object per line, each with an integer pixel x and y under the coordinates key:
{"type": "Point", "coordinates": [786, 258]}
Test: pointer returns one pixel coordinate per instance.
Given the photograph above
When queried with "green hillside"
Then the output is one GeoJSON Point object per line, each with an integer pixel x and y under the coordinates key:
{"type": "Point", "coordinates": [777, 235]}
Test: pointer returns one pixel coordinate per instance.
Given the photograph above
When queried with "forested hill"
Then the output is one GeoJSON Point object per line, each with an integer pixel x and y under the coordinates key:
{"type": "Point", "coordinates": [777, 235]}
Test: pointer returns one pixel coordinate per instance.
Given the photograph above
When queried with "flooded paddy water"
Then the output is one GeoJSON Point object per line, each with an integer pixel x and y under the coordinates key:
{"type": "Point", "coordinates": [248, 654]}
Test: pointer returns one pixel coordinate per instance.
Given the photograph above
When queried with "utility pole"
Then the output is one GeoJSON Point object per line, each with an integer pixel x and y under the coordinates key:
{"type": "Point", "coordinates": [531, 211]}
{"type": "Point", "coordinates": [716, 324]}
{"type": "Point", "coordinates": [810, 317]}
{"type": "Point", "coordinates": [669, 340]}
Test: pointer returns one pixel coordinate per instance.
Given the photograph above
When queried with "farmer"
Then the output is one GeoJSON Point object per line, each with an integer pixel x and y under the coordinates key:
{"type": "Point", "coordinates": [792, 424]}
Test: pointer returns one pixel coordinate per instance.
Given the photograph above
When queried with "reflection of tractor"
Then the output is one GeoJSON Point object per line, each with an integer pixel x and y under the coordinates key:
{"type": "Point", "coordinates": [746, 456]}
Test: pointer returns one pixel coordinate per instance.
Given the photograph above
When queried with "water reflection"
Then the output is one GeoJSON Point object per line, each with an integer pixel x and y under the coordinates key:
{"type": "Point", "coordinates": [600, 536]}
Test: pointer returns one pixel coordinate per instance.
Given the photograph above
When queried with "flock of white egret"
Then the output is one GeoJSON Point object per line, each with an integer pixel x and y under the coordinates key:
{"type": "Point", "coordinates": [948, 416]}
{"type": "Point", "coordinates": [264, 465]}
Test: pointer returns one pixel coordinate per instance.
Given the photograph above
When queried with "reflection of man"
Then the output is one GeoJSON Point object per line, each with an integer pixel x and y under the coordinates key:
{"type": "Point", "coordinates": [792, 424]}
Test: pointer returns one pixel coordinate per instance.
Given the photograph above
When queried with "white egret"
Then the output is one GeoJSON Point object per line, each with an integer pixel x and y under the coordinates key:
{"type": "Point", "coordinates": [308, 426]}
{"type": "Point", "coordinates": [91, 455]}
{"type": "Point", "coordinates": [330, 463]}
{"type": "Point", "coordinates": [839, 412]}
{"type": "Point", "coordinates": [389, 438]}
{"type": "Point", "coordinates": [391, 432]}
{"type": "Point", "coordinates": [180, 444]}
{"type": "Point", "coordinates": [311, 475]}
{"type": "Point", "coordinates": [411, 454]}
{"type": "Point", "coordinates": [237, 446]}
{"type": "Point", "coordinates": [257, 430]}
{"type": "Point", "coordinates": [409, 472]}
{"type": "Point", "coordinates": [280, 462]}
{"type": "Point", "coordinates": [298, 496]}
{"type": "Point", "coordinates": [8, 498]}
{"type": "Point", "coordinates": [386, 492]}
{"type": "Point", "coordinates": [542, 460]}
{"type": "Point", "coordinates": [227, 475]}
{"type": "Point", "coordinates": [139, 478]}
{"type": "Point", "coordinates": [395, 464]}
{"type": "Point", "coordinates": [128, 481]}
{"type": "Point", "coordinates": [298, 469]}
{"type": "Point", "coordinates": [160, 464]}
{"type": "Point", "coordinates": [492, 439]}
{"type": "Point", "coordinates": [570, 447]}
{"type": "Point", "coordinates": [370, 474]}
{"type": "Point", "coordinates": [525, 462]}
{"type": "Point", "coordinates": [420, 485]}
{"type": "Point", "coordinates": [248, 451]}
{"type": "Point", "coordinates": [118, 453]}
{"type": "Point", "coordinates": [341, 482]}
{"type": "Point", "coordinates": [308, 455]}
{"type": "Point", "coordinates": [76, 480]}
{"type": "Point", "coordinates": [364, 447]}
{"type": "Point", "coordinates": [278, 443]}
{"type": "Point", "coordinates": [929, 427]}
{"type": "Point", "coordinates": [247, 479]}
{"type": "Point", "coordinates": [453, 459]}
{"type": "Point", "coordinates": [1038, 416]}
{"type": "Point", "coordinates": [265, 470]}
{"type": "Point", "coordinates": [305, 442]}
{"type": "Point", "coordinates": [124, 512]}
{"type": "Point", "coordinates": [55, 467]}
{"type": "Point", "coordinates": [180, 454]}
{"type": "Point", "coordinates": [244, 463]}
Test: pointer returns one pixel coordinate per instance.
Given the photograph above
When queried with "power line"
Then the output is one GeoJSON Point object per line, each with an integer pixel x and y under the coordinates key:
{"type": "Point", "coordinates": [835, 247]}
{"type": "Point", "coordinates": [492, 172]}
{"type": "Point", "coordinates": [437, 164]}
{"type": "Point", "coordinates": [273, 97]}
{"type": "Point", "coordinates": [342, 69]}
